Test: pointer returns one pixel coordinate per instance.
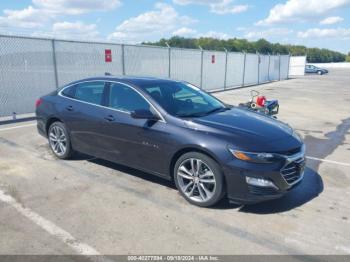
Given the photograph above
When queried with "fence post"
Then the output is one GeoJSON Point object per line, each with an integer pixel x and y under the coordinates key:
{"type": "Point", "coordinates": [169, 59]}
{"type": "Point", "coordinates": [279, 67]}
{"type": "Point", "coordinates": [258, 66]}
{"type": "Point", "coordinates": [54, 62]}
{"type": "Point", "coordinates": [123, 59]}
{"type": "Point", "coordinates": [243, 77]}
{"type": "Point", "coordinates": [268, 69]}
{"type": "Point", "coordinates": [201, 81]}
{"type": "Point", "coordinates": [225, 81]}
{"type": "Point", "coordinates": [288, 65]}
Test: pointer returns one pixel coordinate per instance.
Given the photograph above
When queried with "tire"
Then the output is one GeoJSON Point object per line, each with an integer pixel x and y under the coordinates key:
{"type": "Point", "coordinates": [202, 187]}
{"type": "Point", "coordinates": [59, 141]}
{"type": "Point", "coordinates": [319, 72]}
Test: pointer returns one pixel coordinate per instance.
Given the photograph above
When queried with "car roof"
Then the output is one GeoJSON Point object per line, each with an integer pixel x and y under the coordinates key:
{"type": "Point", "coordinates": [134, 80]}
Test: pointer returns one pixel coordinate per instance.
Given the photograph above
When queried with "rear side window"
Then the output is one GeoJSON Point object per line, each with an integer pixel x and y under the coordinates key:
{"type": "Point", "coordinates": [126, 99]}
{"type": "Point", "coordinates": [91, 92]}
{"type": "Point", "coordinates": [69, 91]}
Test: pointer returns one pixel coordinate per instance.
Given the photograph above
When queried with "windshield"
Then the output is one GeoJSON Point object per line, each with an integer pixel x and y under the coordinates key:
{"type": "Point", "coordinates": [183, 99]}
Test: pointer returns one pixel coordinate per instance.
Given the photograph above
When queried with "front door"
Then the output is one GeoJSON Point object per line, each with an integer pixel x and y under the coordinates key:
{"type": "Point", "coordinates": [139, 143]}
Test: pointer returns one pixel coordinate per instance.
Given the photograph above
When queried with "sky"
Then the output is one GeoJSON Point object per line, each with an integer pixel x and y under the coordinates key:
{"type": "Point", "coordinates": [314, 23]}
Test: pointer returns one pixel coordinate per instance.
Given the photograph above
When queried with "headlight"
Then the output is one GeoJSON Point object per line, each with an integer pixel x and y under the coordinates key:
{"type": "Point", "coordinates": [253, 157]}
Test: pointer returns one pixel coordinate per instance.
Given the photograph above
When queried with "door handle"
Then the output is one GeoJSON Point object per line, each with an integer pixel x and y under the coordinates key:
{"type": "Point", "coordinates": [109, 118]}
{"type": "Point", "coordinates": [69, 108]}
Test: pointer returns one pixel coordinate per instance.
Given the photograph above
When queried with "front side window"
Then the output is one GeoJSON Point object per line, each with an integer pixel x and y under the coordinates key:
{"type": "Point", "coordinates": [91, 92]}
{"type": "Point", "coordinates": [182, 99]}
{"type": "Point", "coordinates": [126, 99]}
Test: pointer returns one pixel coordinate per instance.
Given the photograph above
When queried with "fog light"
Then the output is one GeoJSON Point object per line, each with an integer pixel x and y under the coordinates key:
{"type": "Point", "coordinates": [260, 182]}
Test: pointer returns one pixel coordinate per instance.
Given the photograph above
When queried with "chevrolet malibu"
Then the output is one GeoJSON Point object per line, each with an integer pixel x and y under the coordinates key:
{"type": "Point", "coordinates": [177, 131]}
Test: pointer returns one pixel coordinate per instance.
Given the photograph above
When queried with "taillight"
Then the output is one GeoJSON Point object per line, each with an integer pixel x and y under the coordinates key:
{"type": "Point", "coordinates": [38, 102]}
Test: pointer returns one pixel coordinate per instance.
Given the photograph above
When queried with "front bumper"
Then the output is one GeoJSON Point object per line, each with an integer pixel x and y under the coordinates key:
{"type": "Point", "coordinates": [284, 175]}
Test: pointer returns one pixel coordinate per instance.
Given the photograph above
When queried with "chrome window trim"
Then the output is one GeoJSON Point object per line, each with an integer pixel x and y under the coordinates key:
{"type": "Point", "coordinates": [114, 109]}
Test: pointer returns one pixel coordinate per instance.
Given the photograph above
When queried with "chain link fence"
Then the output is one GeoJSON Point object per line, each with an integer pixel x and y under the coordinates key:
{"type": "Point", "coordinates": [76, 60]}
{"type": "Point", "coordinates": [32, 67]}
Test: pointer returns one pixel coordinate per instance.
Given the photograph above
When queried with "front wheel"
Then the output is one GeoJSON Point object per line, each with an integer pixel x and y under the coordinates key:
{"type": "Point", "coordinates": [199, 179]}
{"type": "Point", "coordinates": [59, 140]}
{"type": "Point", "coordinates": [319, 72]}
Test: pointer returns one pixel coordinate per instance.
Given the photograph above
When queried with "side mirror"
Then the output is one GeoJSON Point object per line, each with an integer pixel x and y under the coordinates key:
{"type": "Point", "coordinates": [144, 114]}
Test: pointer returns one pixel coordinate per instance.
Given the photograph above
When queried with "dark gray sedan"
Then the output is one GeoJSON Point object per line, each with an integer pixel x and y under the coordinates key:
{"type": "Point", "coordinates": [177, 131]}
{"type": "Point", "coordinates": [311, 69]}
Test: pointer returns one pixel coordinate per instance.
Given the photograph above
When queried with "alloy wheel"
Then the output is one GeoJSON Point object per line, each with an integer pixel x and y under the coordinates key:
{"type": "Point", "coordinates": [58, 140]}
{"type": "Point", "coordinates": [196, 180]}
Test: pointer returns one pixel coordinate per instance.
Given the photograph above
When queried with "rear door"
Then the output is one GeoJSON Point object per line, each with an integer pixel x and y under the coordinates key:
{"type": "Point", "coordinates": [84, 115]}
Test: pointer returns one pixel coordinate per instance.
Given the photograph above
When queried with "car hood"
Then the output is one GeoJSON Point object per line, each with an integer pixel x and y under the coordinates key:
{"type": "Point", "coordinates": [248, 130]}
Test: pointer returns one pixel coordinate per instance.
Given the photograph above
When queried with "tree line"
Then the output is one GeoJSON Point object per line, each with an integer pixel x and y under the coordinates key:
{"type": "Point", "coordinates": [314, 55]}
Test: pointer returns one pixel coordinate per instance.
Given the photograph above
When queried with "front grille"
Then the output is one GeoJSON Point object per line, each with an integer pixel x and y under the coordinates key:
{"type": "Point", "coordinates": [293, 171]}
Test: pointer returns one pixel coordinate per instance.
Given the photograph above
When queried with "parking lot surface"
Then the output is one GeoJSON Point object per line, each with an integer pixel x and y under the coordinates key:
{"type": "Point", "coordinates": [91, 206]}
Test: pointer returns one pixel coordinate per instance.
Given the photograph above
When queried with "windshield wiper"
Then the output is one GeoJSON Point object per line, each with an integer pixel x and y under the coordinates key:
{"type": "Point", "coordinates": [190, 115]}
{"type": "Point", "coordinates": [199, 114]}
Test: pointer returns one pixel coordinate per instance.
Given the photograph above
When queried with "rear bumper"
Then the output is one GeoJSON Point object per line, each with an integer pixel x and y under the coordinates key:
{"type": "Point", "coordinates": [41, 127]}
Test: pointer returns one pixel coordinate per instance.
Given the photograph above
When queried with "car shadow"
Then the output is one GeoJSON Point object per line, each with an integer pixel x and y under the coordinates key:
{"type": "Point", "coordinates": [308, 189]}
{"type": "Point", "coordinates": [77, 156]}
{"type": "Point", "coordinates": [133, 172]}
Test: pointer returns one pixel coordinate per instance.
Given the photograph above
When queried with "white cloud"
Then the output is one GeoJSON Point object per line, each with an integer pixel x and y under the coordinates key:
{"type": "Point", "coordinates": [272, 32]}
{"type": "Point", "coordinates": [301, 10]}
{"type": "Point", "coordinates": [187, 2]}
{"type": "Point", "coordinates": [36, 15]}
{"type": "Point", "coordinates": [325, 33]}
{"type": "Point", "coordinates": [331, 20]}
{"type": "Point", "coordinates": [74, 30]}
{"type": "Point", "coordinates": [70, 30]}
{"type": "Point", "coordinates": [241, 28]}
{"type": "Point", "coordinates": [29, 17]}
{"type": "Point", "coordinates": [220, 7]}
{"type": "Point", "coordinates": [76, 7]}
{"type": "Point", "coordinates": [150, 25]}
{"type": "Point", "coordinates": [215, 34]}
{"type": "Point", "coordinates": [184, 31]}
{"type": "Point", "coordinates": [226, 7]}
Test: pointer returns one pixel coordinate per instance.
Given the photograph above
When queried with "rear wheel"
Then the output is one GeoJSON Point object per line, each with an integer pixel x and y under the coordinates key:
{"type": "Point", "coordinates": [59, 140]}
{"type": "Point", "coordinates": [199, 179]}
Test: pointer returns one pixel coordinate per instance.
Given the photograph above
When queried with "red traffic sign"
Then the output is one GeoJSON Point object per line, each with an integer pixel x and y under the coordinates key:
{"type": "Point", "coordinates": [108, 55]}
